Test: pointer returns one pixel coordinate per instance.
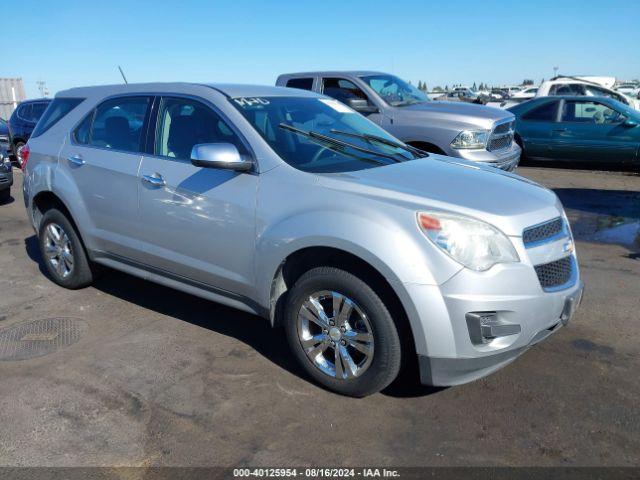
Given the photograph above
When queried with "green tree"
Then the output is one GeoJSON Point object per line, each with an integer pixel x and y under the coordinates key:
{"type": "Point", "coordinates": [474, 86]}
{"type": "Point", "coordinates": [527, 81]}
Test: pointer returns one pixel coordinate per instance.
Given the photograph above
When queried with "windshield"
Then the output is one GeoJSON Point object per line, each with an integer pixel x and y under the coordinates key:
{"type": "Point", "coordinates": [394, 91]}
{"type": "Point", "coordinates": [285, 124]}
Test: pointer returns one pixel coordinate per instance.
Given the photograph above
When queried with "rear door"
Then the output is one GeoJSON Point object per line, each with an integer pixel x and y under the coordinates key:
{"type": "Point", "coordinates": [198, 224]}
{"type": "Point", "coordinates": [535, 127]}
{"type": "Point", "coordinates": [103, 157]}
{"type": "Point", "coordinates": [592, 131]}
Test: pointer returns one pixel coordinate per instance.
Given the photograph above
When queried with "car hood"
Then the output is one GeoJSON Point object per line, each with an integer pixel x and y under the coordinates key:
{"type": "Point", "coordinates": [506, 200]}
{"type": "Point", "coordinates": [467, 113]}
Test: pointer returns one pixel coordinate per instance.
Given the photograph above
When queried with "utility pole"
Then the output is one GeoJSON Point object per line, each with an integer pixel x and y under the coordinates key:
{"type": "Point", "coordinates": [42, 87]}
{"type": "Point", "coordinates": [555, 71]}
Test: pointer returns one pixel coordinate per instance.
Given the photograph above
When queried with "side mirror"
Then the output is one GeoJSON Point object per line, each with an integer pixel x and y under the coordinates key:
{"type": "Point", "coordinates": [361, 105]}
{"type": "Point", "coordinates": [219, 155]}
{"type": "Point", "coordinates": [629, 123]}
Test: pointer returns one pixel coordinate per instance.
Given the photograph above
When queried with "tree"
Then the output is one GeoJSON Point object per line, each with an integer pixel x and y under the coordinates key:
{"type": "Point", "coordinates": [437, 89]}
{"type": "Point", "coordinates": [424, 87]}
{"type": "Point", "coordinates": [419, 84]}
{"type": "Point", "coordinates": [446, 88]}
{"type": "Point", "coordinates": [527, 81]}
{"type": "Point", "coordinates": [474, 87]}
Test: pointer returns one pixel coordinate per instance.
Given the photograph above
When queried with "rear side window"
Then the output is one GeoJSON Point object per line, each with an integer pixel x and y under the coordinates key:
{"type": "Point", "coordinates": [117, 124]}
{"type": "Point", "coordinates": [52, 115]}
{"type": "Point", "coordinates": [301, 83]}
{"type": "Point", "coordinates": [543, 113]}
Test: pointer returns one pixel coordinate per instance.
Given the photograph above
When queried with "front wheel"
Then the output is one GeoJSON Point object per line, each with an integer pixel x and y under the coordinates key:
{"type": "Point", "coordinates": [342, 333]}
{"type": "Point", "coordinates": [5, 195]}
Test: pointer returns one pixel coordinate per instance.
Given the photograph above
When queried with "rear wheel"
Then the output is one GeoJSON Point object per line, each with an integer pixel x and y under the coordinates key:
{"type": "Point", "coordinates": [342, 333]}
{"type": "Point", "coordinates": [63, 253]}
{"type": "Point", "coordinates": [5, 195]}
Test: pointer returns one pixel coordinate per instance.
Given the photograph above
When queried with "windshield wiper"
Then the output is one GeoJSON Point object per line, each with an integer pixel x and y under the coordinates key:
{"type": "Point", "coordinates": [383, 141]}
{"type": "Point", "coordinates": [336, 143]}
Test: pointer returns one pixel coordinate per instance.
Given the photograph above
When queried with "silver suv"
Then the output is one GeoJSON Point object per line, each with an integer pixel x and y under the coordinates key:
{"type": "Point", "coordinates": [292, 206]}
{"type": "Point", "coordinates": [474, 132]}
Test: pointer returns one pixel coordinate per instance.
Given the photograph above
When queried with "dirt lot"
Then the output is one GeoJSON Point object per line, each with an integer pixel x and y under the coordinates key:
{"type": "Point", "coordinates": [163, 378]}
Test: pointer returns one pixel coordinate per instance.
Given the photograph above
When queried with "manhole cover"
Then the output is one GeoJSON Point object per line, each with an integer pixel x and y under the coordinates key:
{"type": "Point", "coordinates": [38, 338]}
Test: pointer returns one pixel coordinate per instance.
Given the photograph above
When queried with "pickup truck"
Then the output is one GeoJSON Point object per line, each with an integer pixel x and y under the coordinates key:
{"type": "Point", "coordinates": [473, 132]}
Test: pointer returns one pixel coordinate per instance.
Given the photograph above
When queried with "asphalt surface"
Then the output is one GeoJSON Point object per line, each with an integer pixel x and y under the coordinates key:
{"type": "Point", "coordinates": [158, 377]}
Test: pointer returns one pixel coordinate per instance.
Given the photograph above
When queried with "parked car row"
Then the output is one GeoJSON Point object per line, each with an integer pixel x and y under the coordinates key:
{"type": "Point", "coordinates": [6, 175]}
{"type": "Point", "coordinates": [22, 122]}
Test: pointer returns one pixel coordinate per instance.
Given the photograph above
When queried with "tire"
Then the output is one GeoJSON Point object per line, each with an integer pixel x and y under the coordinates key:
{"type": "Point", "coordinates": [365, 331]}
{"type": "Point", "coordinates": [65, 259]}
{"type": "Point", "coordinates": [16, 149]}
{"type": "Point", "coordinates": [5, 195]}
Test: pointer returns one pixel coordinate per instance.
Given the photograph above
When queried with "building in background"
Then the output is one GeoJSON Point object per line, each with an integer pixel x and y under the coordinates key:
{"type": "Point", "coordinates": [11, 94]}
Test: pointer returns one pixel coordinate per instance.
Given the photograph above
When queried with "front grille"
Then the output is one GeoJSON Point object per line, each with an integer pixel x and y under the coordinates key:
{"type": "Point", "coordinates": [555, 274]}
{"type": "Point", "coordinates": [500, 142]}
{"type": "Point", "coordinates": [501, 137]}
{"type": "Point", "coordinates": [542, 232]}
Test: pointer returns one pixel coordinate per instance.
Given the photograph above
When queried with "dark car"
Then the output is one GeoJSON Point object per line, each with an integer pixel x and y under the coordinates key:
{"type": "Point", "coordinates": [6, 175]}
{"type": "Point", "coordinates": [23, 121]}
{"type": "Point", "coordinates": [4, 135]}
{"type": "Point", "coordinates": [578, 128]}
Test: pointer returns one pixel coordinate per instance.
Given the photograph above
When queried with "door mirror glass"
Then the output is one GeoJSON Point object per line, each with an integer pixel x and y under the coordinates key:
{"type": "Point", "coordinates": [362, 106]}
{"type": "Point", "coordinates": [219, 155]}
{"type": "Point", "coordinates": [629, 123]}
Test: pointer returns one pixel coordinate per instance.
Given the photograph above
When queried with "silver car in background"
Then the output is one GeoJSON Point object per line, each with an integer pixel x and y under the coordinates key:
{"type": "Point", "coordinates": [474, 132]}
{"type": "Point", "coordinates": [292, 206]}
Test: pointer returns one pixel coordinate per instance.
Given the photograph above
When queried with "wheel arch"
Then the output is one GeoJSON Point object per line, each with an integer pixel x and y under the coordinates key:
{"type": "Point", "coordinates": [391, 292]}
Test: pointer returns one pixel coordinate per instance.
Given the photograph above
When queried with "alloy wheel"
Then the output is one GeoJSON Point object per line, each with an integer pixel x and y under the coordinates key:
{"type": "Point", "coordinates": [57, 250]}
{"type": "Point", "coordinates": [335, 334]}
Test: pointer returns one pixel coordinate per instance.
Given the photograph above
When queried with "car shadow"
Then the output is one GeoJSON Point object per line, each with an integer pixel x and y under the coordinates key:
{"type": "Point", "coordinates": [590, 166]}
{"type": "Point", "coordinates": [245, 327]}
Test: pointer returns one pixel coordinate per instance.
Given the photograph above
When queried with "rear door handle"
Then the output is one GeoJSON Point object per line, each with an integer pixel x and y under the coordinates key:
{"type": "Point", "coordinates": [561, 130]}
{"type": "Point", "coordinates": [156, 180]}
{"type": "Point", "coordinates": [76, 160]}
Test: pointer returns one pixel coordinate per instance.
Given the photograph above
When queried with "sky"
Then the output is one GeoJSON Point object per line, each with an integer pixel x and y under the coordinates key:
{"type": "Point", "coordinates": [69, 43]}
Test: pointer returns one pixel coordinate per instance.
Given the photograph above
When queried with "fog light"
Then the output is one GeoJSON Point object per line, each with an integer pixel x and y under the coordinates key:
{"type": "Point", "coordinates": [486, 326]}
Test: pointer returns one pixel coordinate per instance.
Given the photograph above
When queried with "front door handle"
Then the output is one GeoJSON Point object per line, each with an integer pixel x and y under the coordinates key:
{"type": "Point", "coordinates": [76, 160]}
{"type": "Point", "coordinates": [561, 130]}
{"type": "Point", "coordinates": [156, 180]}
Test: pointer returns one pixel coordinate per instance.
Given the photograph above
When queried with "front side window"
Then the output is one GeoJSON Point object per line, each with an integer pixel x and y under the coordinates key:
{"type": "Point", "coordinates": [302, 83]}
{"type": "Point", "coordinates": [395, 91]}
{"type": "Point", "coordinates": [183, 123]}
{"type": "Point", "coordinates": [590, 112]}
{"type": "Point", "coordinates": [276, 118]}
{"type": "Point", "coordinates": [543, 113]}
{"type": "Point", "coordinates": [57, 109]}
{"type": "Point", "coordinates": [342, 90]}
{"type": "Point", "coordinates": [117, 124]}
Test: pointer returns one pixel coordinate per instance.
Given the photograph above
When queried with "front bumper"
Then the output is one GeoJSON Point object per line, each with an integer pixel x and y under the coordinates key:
{"type": "Point", "coordinates": [449, 353]}
{"type": "Point", "coordinates": [504, 159]}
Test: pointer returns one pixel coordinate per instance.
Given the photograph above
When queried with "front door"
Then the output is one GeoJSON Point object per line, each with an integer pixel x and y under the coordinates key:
{"type": "Point", "coordinates": [199, 223]}
{"type": "Point", "coordinates": [593, 131]}
{"type": "Point", "coordinates": [102, 157]}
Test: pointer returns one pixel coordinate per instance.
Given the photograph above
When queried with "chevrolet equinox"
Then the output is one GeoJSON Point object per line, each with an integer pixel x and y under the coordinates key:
{"type": "Point", "coordinates": [290, 205]}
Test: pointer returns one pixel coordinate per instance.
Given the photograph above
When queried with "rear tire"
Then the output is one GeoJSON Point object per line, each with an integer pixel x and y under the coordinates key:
{"type": "Point", "coordinates": [351, 343]}
{"type": "Point", "coordinates": [5, 195]}
{"type": "Point", "coordinates": [62, 251]}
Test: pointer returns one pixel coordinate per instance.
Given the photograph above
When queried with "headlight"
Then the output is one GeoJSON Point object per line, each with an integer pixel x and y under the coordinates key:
{"type": "Point", "coordinates": [475, 244]}
{"type": "Point", "coordinates": [471, 139]}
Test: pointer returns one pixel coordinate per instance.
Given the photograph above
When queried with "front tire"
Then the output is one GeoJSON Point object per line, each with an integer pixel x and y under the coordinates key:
{"type": "Point", "coordinates": [342, 333]}
{"type": "Point", "coordinates": [62, 251]}
{"type": "Point", "coordinates": [5, 195]}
